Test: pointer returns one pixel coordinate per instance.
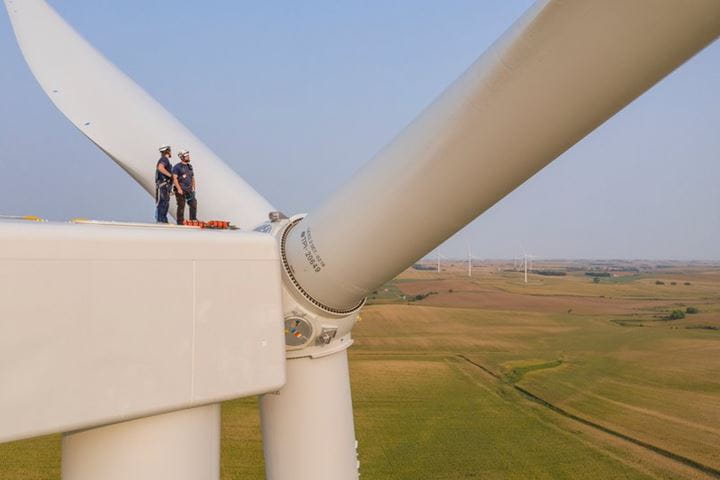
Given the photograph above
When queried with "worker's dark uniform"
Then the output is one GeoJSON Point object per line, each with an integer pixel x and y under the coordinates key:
{"type": "Point", "coordinates": [163, 187]}
{"type": "Point", "coordinates": [185, 174]}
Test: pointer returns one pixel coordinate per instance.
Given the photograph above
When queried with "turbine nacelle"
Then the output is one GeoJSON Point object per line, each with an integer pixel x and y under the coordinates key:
{"type": "Point", "coordinates": [108, 323]}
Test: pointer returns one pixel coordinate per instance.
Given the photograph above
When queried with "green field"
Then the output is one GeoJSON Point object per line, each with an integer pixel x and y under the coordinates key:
{"type": "Point", "coordinates": [494, 378]}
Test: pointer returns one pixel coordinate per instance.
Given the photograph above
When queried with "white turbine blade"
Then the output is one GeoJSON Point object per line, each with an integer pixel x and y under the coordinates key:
{"type": "Point", "coordinates": [559, 72]}
{"type": "Point", "coordinates": [119, 116]}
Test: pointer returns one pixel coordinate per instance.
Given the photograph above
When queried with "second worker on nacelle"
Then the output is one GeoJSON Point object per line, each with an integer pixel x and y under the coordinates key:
{"type": "Point", "coordinates": [184, 182]}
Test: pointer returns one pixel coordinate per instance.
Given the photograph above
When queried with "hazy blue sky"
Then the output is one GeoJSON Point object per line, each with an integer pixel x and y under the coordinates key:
{"type": "Point", "coordinates": [292, 92]}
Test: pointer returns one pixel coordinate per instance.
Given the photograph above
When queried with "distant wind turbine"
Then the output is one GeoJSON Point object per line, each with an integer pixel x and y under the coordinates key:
{"type": "Point", "coordinates": [527, 256]}
{"type": "Point", "coordinates": [469, 260]}
{"type": "Point", "coordinates": [439, 255]}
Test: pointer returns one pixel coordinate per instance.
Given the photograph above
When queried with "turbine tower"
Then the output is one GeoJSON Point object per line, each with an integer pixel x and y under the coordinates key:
{"type": "Point", "coordinates": [270, 312]}
{"type": "Point", "coordinates": [527, 257]}
{"type": "Point", "coordinates": [470, 258]}
{"type": "Point", "coordinates": [439, 256]}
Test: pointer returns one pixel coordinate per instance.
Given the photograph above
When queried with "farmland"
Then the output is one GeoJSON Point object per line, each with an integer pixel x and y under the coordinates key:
{"type": "Point", "coordinates": [458, 377]}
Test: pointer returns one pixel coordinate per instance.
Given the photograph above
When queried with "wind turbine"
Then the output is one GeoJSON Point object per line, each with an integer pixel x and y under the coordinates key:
{"type": "Point", "coordinates": [439, 256]}
{"type": "Point", "coordinates": [470, 259]}
{"type": "Point", "coordinates": [525, 257]}
{"type": "Point", "coordinates": [137, 388]}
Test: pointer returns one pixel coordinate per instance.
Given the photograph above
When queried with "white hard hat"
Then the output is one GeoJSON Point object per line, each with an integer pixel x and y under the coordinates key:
{"type": "Point", "coordinates": [183, 153]}
{"type": "Point", "coordinates": [164, 147]}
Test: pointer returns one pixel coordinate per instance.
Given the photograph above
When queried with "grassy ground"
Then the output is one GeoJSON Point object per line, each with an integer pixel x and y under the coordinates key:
{"type": "Point", "coordinates": [437, 382]}
{"type": "Point", "coordinates": [241, 447]}
{"type": "Point", "coordinates": [36, 459]}
{"type": "Point", "coordinates": [441, 418]}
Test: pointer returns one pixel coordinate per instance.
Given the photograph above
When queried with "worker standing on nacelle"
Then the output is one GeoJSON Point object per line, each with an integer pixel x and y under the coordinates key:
{"type": "Point", "coordinates": [184, 181]}
{"type": "Point", "coordinates": [163, 184]}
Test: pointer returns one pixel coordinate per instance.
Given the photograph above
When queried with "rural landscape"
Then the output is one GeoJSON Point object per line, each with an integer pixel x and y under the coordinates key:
{"type": "Point", "coordinates": [591, 369]}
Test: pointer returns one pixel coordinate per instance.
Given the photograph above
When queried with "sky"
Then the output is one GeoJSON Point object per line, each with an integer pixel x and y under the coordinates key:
{"type": "Point", "coordinates": [291, 92]}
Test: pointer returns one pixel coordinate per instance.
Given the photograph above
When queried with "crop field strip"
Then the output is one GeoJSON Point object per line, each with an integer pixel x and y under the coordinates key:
{"type": "Point", "coordinates": [692, 464]}
{"type": "Point", "coordinates": [666, 453]}
{"type": "Point", "coordinates": [431, 416]}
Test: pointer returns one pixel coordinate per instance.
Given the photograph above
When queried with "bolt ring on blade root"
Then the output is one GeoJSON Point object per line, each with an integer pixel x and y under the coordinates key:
{"type": "Point", "coordinates": [288, 271]}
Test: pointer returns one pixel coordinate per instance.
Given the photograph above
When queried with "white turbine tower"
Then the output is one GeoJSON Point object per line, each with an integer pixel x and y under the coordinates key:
{"type": "Point", "coordinates": [526, 257]}
{"type": "Point", "coordinates": [137, 385]}
{"type": "Point", "coordinates": [470, 259]}
{"type": "Point", "coordinates": [439, 256]}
